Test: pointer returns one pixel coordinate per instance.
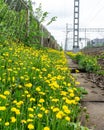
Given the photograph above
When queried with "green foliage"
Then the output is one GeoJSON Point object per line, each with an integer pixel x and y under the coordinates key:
{"type": "Point", "coordinates": [19, 24]}
{"type": "Point", "coordinates": [13, 23]}
{"type": "Point", "coordinates": [85, 62]}
{"type": "Point", "coordinates": [41, 16]}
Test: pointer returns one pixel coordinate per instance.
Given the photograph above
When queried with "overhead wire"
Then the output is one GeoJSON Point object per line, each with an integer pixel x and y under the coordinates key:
{"type": "Point", "coordinates": [99, 3]}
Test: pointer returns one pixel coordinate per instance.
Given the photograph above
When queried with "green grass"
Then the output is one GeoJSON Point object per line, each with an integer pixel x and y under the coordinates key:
{"type": "Point", "coordinates": [37, 90]}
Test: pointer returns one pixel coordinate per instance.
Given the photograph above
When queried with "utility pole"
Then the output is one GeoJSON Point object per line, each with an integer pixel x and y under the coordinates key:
{"type": "Point", "coordinates": [66, 39]}
{"type": "Point", "coordinates": [76, 26]}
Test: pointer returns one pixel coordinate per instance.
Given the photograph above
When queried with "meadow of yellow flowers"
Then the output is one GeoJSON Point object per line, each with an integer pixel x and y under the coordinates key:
{"type": "Point", "coordinates": [37, 90]}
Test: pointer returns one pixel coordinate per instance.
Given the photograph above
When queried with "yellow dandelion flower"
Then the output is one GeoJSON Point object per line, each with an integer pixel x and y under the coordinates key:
{"type": "Point", "coordinates": [2, 108]}
{"type": "Point", "coordinates": [68, 101]}
{"type": "Point", "coordinates": [39, 105]}
{"type": "Point", "coordinates": [40, 115]}
{"type": "Point", "coordinates": [46, 128]}
{"type": "Point", "coordinates": [63, 93]}
{"type": "Point", "coordinates": [55, 100]}
{"type": "Point", "coordinates": [56, 109]}
{"type": "Point", "coordinates": [30, 126]}
{"type": "Point", "coordinates": [17, 111]}
{"type": "Point", "coordinates": [73, 102]}
{"type": "Point", "coordinates": [41, 100]}
{"type": "Point", "coordinates": [19, 86]}
{"type": "Point", "coordinates": [13, 109]}
{"type": "Point", "coordinates": [30, 120]}
{"type": "Point", "coordinates": [31, 115]}
{"type": "Point", "coordinates": [23, 121]}
{"type": "Point", "coordinates": [6, 93]}
{"type": "Point", "coordinates": [2, 96]}
{"type": "Point", "coordinates": [67, 111]}
{"type": "Point", "coordinates": [28, 85]}
{"type": "Point", "coordinates": [14, 101]}
{"type": "Point", "coordinates": [46, 111]}
{"type": "Point", "coordinates": [77, 83]}
{"type": "Point", "coordinates": [28, 96]}
{"type": "Point", "coordinates": [71, 94]}
{"type": "Point", "coordinates": [70, 90]}
{"type": "Point", "coordinates": [67, 118]}
{"type": "Point", "coordinates": [38, 89]}
{"type": "Point", "coordinates": [77, 98]}
{"type": "Point", "coordinates": [6, 124]}
{"type": "Point", "coordinates": [69, 84]}
{"type": "Point", "coordinates": [32, 99]}
{"type": "Point", "coordinates": [26, 92]}
{"type": "Point", "coordinates": [60, 115]}
{"type": "Point", "coordinates": [13, 119]}
{"type": "Point", "coordinates": [19, 103]}
{"type": "Point", "coordinates": [42, 108]}
{"type": "Point", "coordinates": [42, 93]}
{"type": "Point", "coordinates": [30, 109]}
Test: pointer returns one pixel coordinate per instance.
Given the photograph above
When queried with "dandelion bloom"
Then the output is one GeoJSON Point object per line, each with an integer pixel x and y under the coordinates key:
{"type": "Point", "coordinates": [13, 119]}
{"type": "Point", "coordinates": [6, 92]}
{"type": "Point", "coordinates": [56, 109]}
{"type": "Point", "coordinates": [2, 108]}
{"type": "Point", "coordinates": [29, 120]}
{"type": "Point", "coordinates": [23, 121]}
{"type": "Point", "coordinates": [30, 109]}
{"type": "Point", "coordinates": [67, 118]}
{"type": "Point", "coordinates": [40, 115]}
{"type": "Point", "coordinates": [77, 98]}
{"type": "Point", "coordinates": [59, 115]}
{"type": "Point", "coordinates": [38, 89]}
{"type": "Point", "coordinates": [17, 111]}
{"type": "Point", "coordinates": [71, 94]}
{"type": "Point", "coordinates": [31, 115]}
{"type": "Point", "coordinates": [77, 83]}
{"type": "Point", "coordinates": [30, 126]}
{"type": "Point", "coordinates": [46, 128]}
{"type": "Point", "coordinates": [46, 111]}
{"type": "Point", "coordinates": [41, 100]}
{"type": "Point", "coordinates": [32, 99]}
{"type": "Point", "coordinates": [2, 96]}
{"type": "Point", "coordinates": [6, 123]}
{"type": "Point", "coordinates": [28, 85]}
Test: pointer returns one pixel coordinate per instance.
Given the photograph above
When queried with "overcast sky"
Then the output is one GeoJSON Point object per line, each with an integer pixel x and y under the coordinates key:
{"type": "Point", "coordinates": [91, 15]}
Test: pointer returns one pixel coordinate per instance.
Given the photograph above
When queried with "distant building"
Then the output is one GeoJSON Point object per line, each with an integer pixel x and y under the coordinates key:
{"type": "Point", "coordinates": [96, 42]}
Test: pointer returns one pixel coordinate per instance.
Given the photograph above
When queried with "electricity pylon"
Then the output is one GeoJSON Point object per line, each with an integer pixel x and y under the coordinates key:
{"type": "Point", "coordinates": [76, 26]}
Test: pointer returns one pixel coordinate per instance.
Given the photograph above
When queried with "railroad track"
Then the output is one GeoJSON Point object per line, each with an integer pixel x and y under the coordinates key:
{"type": "Point", "coordinates": [93, 102]}
{"type": "Point", "coordinates": [93, 50]}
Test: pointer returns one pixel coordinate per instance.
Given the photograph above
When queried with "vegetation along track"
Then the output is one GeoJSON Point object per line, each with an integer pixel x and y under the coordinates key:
{"type": "Point", "coordinates": [99, 53]}
{"type": "Point", "coordinates": [93, 102]}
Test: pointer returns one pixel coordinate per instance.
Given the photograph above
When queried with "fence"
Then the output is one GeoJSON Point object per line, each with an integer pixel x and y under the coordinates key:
{"type": "Point", "coordinates": [17, 22]}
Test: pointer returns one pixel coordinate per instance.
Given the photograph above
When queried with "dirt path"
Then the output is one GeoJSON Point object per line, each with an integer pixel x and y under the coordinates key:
{"type": "Point", "coordinates": [93, 101]}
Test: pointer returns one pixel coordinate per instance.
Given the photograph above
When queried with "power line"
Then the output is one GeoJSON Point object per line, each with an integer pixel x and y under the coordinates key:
{"type": "Point", "coordinates": [98, 11]}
